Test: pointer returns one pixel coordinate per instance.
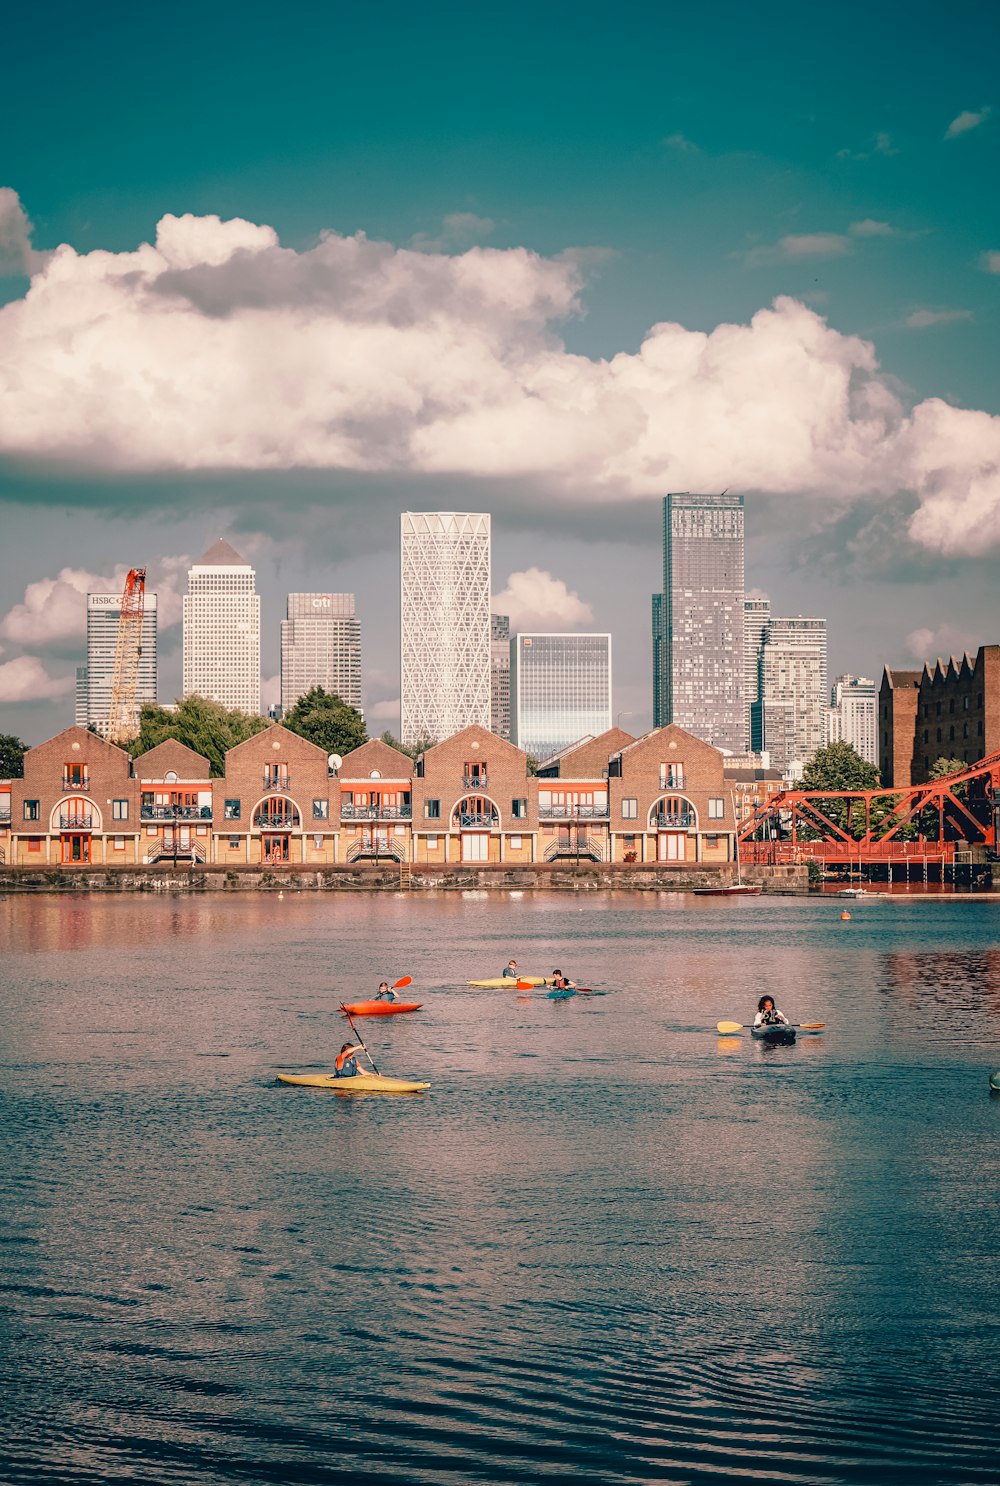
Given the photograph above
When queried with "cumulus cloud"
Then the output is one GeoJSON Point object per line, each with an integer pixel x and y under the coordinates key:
{"type": "Point", "coordinates": [216, 349]}
{"type": "Point", "coordinates": [925, 319]}
{"type": "Point", "coordinates": [53, 611]}
{"type": "Point", "coordinates": [928, 645]}
{"type": "Point", "coordinates": [535, 600]}
{"type": "Point", "coordinates": [990, 262]}
{"type": "Point", "coordinates": [799, 247]}
{"type": "Point", "coordinates": [26, 680]}
{"type": "Point", "coordinates": [458, 230]}
{"type": "Point", "coordinates": [16, 255]}
{"type": "Point", "coordinates": [966, 121]}
{"type": "Point", "coordinates": [385, 711]}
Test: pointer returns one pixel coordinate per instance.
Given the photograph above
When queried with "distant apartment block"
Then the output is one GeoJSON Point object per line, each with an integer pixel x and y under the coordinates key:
{"type": "Point", "coordinates": [853, 716]}
{"type": "Point", "coordinates": [560, 690]}
{"type": "Point", "coordinates": [500, 675]}
{"type": "Point", "coordinates": [698, 653]}
{"type": "Point", "coordinates": [756, 618]}
{"type": "Point", "coordinates": [949, 710]}
{"type": "Point", "coordinates": [794, 692]}
{"type": "Point", "coordinates": [222, 630]}
{"type": "Point", "coordinates": [444, 623]}
{"type": "Point", "coordinates": [320, 646]}
{"type": "Point", "coordinates": [93, 681]}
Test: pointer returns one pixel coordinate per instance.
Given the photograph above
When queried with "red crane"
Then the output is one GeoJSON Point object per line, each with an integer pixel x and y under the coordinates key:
{"type": "Point", "coordinates": [123, 716]}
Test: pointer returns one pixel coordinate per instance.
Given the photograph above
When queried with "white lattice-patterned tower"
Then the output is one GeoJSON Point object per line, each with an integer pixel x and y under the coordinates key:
{"type": "Point", "coordinates": [444, 623]}
{"type": "Point", "coordinates": [123, 721]}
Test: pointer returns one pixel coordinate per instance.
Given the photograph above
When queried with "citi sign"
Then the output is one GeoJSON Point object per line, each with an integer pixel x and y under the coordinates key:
{"type": "Point", "coordinates": [321, 601]}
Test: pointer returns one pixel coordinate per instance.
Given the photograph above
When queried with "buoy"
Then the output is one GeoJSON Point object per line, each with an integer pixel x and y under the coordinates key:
{"type": "Point", "coordinates": [845, 915]}
{"type": "Point", "coordinates": [280, 896]}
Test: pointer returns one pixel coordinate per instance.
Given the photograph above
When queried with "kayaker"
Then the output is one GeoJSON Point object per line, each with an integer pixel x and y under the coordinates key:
{"type": "Point", "coordinates": [510, 970]}
{"type": "Point", "coordinates": [346, 1065]}
{"type": "Point", "coordinates": [385, 993]}
{"type": "Point", "coordinates": [767, 1012]}
{"type": "Point", "coordinates": [559, 981]}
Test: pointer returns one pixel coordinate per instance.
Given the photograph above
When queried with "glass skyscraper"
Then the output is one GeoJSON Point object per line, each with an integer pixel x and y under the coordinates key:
{"type": "Point", "coordinates": [444, 623]}
{"type": "Point", "coordinates": [500, 675]}
{"type": "Point", "coordinates": [698, 620]}
{"type": "Point", "coordinates": [222, 630]}
{"type": "Point", "coordinates": [560, 690]}
{"type": "Point", "coordinates": [93, 681]}
{"type": "Point", "coordinates": [794, 694]}
{"type": "Point", "coordinates": [320, 646]}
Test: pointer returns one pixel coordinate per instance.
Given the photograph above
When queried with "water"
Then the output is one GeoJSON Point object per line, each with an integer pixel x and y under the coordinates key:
{"type": "Point", "coordinates": [609, 1246]}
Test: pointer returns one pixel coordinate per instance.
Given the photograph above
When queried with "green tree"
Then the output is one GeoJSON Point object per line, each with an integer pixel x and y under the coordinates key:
{"type": "Point", "coordinates": [208, 727]}
{"type": "Point", "coordinates": [838, 766]}
{"type": "Point", "coordinates": [326, 721]}
{"type": "Point", "coordinates": [12, 752]}
{"type": "Point", "coordinates": [412, 750]}
{"type": "Point", "coordinates": [942, 767]}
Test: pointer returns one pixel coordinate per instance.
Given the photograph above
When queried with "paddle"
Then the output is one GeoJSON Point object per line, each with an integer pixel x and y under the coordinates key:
{"type": "Point", "coordinates": [523, 985]}
{"type": "Point", "coordinates": [361, 1042]}
{"type": "Point", "coordinates": [743, 1026]}
{"type": "Point", "coordinates": [399, 984]}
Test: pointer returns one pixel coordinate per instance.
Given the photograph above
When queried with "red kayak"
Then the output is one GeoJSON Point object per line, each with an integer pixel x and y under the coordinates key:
{"type": "Point", "coordinates": [381, 1008]}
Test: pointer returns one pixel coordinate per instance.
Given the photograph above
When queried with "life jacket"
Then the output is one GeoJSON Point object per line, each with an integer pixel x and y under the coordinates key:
{"type": "Point", "coordinates": [347, 1056]}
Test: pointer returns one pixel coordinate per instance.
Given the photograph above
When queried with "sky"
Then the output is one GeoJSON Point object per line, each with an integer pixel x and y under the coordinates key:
{"type": "Point", "coordinates": [278, 276]}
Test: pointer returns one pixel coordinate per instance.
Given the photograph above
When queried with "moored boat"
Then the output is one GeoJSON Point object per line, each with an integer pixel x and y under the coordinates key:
{"type": "Point", "coordinates": [361, 1083]}
{"type": "Point", "coordinates": [730, 890]}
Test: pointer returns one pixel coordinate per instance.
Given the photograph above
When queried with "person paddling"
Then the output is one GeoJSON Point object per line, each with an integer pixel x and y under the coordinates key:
{"type": "Point", "coordinates": [510, 970]}
{"type": "Point", "coordinates": [559, 981]}
{"type": "Point", "coordinates": [768, 1013]}
{"type": "Point", "coordinates": [346, 1065]}
{"type": "Point", "coordinates": [386, 993]}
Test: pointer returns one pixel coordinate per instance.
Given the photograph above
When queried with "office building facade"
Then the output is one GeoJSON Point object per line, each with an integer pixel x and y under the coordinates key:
{"type": "Point", "coordinates": [853, 716]}
{"type": "Point", "coordinates": [444, 623]}
{"type": "Point", "coordinates": [320, 646]}
{"type": "Point", "coordinates": [93, 681]}
{"type": "Point", "coordinates": [756, 618]}
{"type": "Point", "coordinates": [222, 630]}
{"type": "Point", "coordinates": [794, 694]}
{"type": "Point", "coordinates": [698, 620]}
{"type": "Point", "coordinates": [500, 675]}
{"type": "Point", "coordinates": [560, 690]}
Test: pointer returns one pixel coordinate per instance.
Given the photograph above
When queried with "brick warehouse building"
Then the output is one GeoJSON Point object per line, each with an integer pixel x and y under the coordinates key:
{"type": "Point", "coordinates": [949, 710]}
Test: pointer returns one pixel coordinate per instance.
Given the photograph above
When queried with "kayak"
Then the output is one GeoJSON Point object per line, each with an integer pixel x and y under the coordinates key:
{"type": "Point", "coordinates": [561, 995]}
{"type": "Point", "coordinates": [995, 1082]}
{"type": "Point", "coordinates": [361, 1083]}
{"type": "Point", "coordinates": [380, 1008]}
{"type": "Point", "coordinates": [774, 1033]}
{"type": "Point", "coordinates": [508, 982]}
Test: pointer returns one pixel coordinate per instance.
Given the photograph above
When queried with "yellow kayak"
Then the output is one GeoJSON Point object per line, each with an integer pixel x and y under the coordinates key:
{"type": "Point", "coordinates": [361, 1083]}
{"type": "Point", "coordinates": [508, 982]}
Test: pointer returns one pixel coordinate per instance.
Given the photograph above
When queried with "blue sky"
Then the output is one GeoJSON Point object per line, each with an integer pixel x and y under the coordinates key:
{"type": "Point", "coordinates": [571, 176]}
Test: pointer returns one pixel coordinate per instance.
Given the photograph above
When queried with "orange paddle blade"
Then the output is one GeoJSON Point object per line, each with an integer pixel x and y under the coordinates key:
{"type": "Point", "coordinates": [524, 985]}
{"type": "Point", "coordinates": [406, 980]}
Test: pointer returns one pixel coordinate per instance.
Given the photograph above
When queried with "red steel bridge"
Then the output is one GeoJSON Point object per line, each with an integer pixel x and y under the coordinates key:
{"type": "Point", "coordinates": [928, 825]}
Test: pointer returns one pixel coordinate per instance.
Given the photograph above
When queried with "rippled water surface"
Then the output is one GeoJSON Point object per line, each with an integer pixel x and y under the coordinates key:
{"type": "Point", "coordinates": [608, 1246]}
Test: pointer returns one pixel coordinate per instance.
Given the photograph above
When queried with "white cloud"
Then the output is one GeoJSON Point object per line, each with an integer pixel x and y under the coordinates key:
{"type": "Point", "coordinates": [26, 680]}
{"type": "Point", "coordinates": [990, 262]}
{"type": "Point", "coordinates": [219, 350]}
{"type": "Point", "coordinates": [458, 230]}
{"type": "Point", "coordinates": [54, 610]}
{"type": "Point", "coordinates": [925, 319]}
{"type": "Point", "coordinates": [16, 255]}
{"type": "Point", "coordinates": [966, 121]}
{"type": "Point", "coordinates": [799, 247]}
{"type": "Point", "coordinates": [870, 228]}
{"type": "Point", "coordinates": [928, 645]}
{"type": "Point", "coordinates": [270, 691]}
{"type": "Point", "coordinates": [385, 711]}
{"type": "Point", "coordinates": [535, 600]}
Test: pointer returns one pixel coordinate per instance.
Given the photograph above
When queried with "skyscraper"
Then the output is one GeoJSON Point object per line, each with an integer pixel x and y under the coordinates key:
{"type": "Point", "coordinates": [93, 681]}
{"type": "Point", "coordinates": [698, 620]}
{"type": "Point", "coordinates": [793, 692]}
{"type": "Point", "coordinates": [853, 715]}
{"type": "Point", "coordinates": [320, 646]}
{"type": "Point", "coordinates": [222, 630]}
{"type": "Point", "coordinates": [444, 623]}
{"type": "Point", "coordinates": [756, 618]}
{"type": "Point", "coordinates": [500, 675]}
{"type": "Point", "coordinates": [560, 690]}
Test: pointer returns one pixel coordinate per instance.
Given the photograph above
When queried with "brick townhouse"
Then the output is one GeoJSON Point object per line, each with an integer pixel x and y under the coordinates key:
{"type": "Point", "coordinates": [474, 801]}
{"type": "Point", "coordinates": [375, 803]}
{"type": "Point", "coordinates": [574, 812]}
{"type": "Point", "coordinates": [669, 801]}
{"type": "Point", "coordinates": [77, 805]}
{"type": "Point", "coordinates": [278, 803]}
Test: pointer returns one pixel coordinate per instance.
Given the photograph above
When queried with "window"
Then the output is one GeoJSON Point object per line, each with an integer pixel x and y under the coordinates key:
{"type": "Point", "coordinates": [630, 809]}
{"type": "Point", "coordinates": [75, 776]}
{"type": "Point", "coordinates": [711, 841]}
{"type": "Point", "coordinates": [951, 705]}
{"type": "Point", "coordinates": [234, 842]}
{"type": "Point", "coordinates": [31, 809]}
{"type": "Point", "coordinates": [321, 809]}
{"type": "Point", "coordinates": [34, 843]}
{"type": "Point", "coordinates": [432, 810]}
{"type": "Point", "coordinates": [516, 842]}
{"type": "Point", "coordinates": [201, 830]}
{"type": "Point", "coordinates": [965, 703]}
{"type": "Point", "coordinates": [232, 811]}
{"type": "Point", "coordinates": [119, 843]}
{"type": "Point", "coordinates": [519, 809]}
{"type": "Point", "coordinates": [672, 776]}
{"type": "Point", "coordinates": [716, 809]}
{"type": "Point", "coordinates": [119, 809]}
{"type": "Point", "coordinates": [318, 842]}
{"type": "Point", "coordinates": [432, 842]}
{"type": "Point", "coordinates": [629, 842]}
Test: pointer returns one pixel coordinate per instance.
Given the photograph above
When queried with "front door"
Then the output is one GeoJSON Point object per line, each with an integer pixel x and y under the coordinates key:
{"type": "Point", "coordinates": [671, 846]}
{"type": "Point", "coordinates": [76, 848]}
{"type": "Point", "coordinates": [274, 848]}
{"type": "Point", "coordinates": [475, 846]}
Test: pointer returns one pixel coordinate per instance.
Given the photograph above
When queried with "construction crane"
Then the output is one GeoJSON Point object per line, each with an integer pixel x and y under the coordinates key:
{"type": "Point", "coordinates": [123, 720]}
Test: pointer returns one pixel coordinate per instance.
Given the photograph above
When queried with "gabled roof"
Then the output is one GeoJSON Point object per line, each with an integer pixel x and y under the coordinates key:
{"type": "Point", "coordinates": [375, 754]}
{"type": "Point", "coordinates": [587, 754]}
{"type": "Point", "coordinates": [221, 555]}
{"type": "Point", "coordinates": [901, 680]}
{"type": "Point", "coordinates": [172, 755]}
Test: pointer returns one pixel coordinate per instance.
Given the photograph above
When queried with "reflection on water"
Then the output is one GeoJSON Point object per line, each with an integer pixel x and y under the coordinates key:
{"type": "Point", "coordinates": [610, 1245]}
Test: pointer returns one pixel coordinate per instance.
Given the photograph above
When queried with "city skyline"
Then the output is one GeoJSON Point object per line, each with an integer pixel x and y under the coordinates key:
{"type": "Point", "coordinates": [289, 328]}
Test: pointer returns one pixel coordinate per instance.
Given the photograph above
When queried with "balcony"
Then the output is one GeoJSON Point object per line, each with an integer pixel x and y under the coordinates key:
{"type": "Point", "coordinates": [574, 812]}
{"type": "Point", "coordinates": [76, 822]}
{"type": "Point", "coordinates": [266, 820]}
{"type": "Point", "coordinates": [683, 820]}
{"type": "Point", "coordinates": [76, 786]}
{"type": "Point", "coordinates": [475, 781]}
{"type": "Point", "coordinates": [376, 812]}
{"type": "Point", "coordinates": [482, 820]}
{"type": "Point", "coordinates": [277, 781]}
{"type": "Point", "coordinates": [172, 813]}
{"type": "Point", "coordinates": [4, 815]}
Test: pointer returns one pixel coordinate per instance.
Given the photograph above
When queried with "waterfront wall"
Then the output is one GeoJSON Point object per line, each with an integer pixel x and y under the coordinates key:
{"type": "Point", "coordinates": [582, 877]}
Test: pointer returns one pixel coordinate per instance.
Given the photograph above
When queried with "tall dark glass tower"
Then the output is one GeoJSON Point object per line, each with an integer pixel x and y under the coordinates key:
{"type": "Point", "coordinates": [698, 620]}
